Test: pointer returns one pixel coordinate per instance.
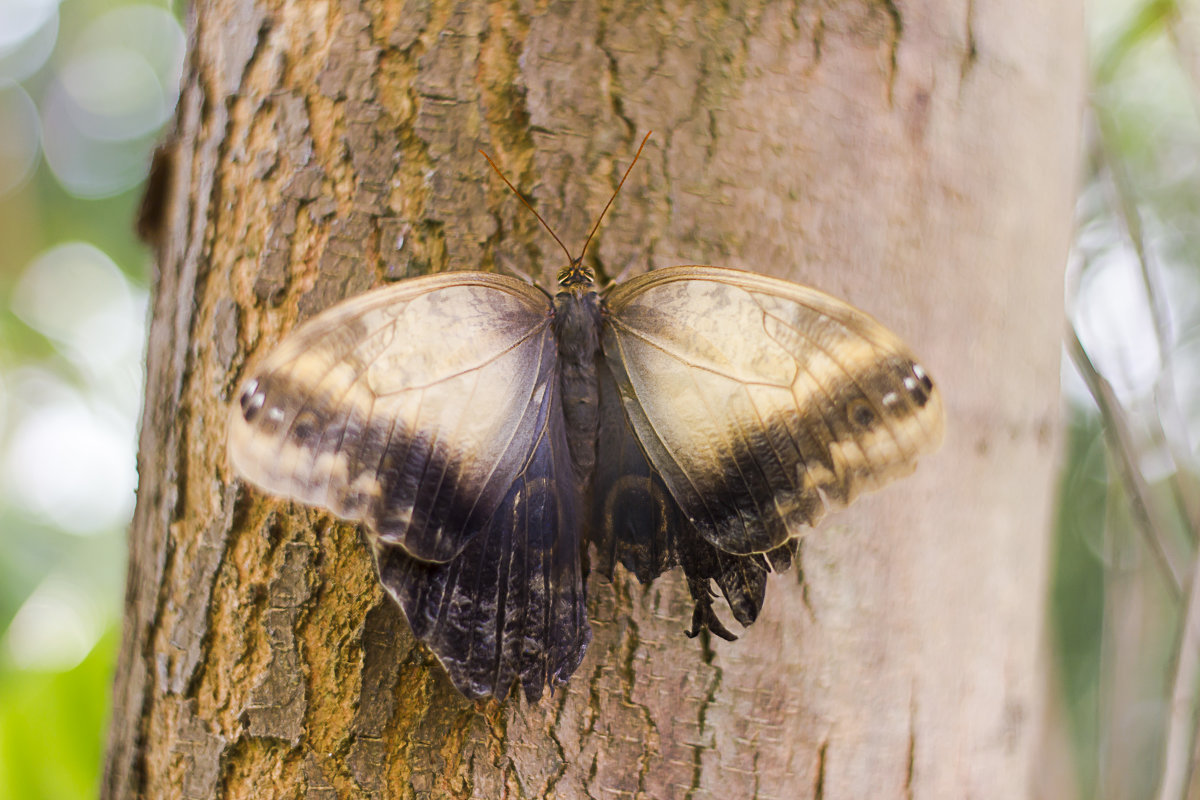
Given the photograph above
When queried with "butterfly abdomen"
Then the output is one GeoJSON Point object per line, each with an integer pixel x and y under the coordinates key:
{"type": "Point", "coordinates": [577, 331]}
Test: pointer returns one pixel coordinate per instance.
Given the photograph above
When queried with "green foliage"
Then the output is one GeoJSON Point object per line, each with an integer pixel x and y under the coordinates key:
{"type": "Point", "coordinates": [52, 726]}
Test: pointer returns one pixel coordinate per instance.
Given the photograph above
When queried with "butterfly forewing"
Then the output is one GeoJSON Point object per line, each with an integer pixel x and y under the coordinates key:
{"type": "Point", "coordinates": [412, 407]}
{"type": "Point", "coordinates": [761, 402]}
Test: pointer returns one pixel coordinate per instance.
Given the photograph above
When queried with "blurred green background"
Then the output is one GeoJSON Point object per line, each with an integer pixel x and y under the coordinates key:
{"type": "Point", "coordinates": [85, 88]}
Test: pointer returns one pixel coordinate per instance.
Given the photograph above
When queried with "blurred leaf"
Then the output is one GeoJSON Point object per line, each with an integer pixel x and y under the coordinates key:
{"type": "Point", "coordinates": [1077, 585]}
{"type": "Point", "coordinates": [52, 727]}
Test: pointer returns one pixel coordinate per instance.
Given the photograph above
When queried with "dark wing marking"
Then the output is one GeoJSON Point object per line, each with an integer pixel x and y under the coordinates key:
{"type": "Point", "coordinates": [761, 402]}
{"type": "Point", "coordinates": [411, 407]}
{"type": "Point", "coordinates": [511, 606]}
{"type": "Point", "coordinates": [633, 518]}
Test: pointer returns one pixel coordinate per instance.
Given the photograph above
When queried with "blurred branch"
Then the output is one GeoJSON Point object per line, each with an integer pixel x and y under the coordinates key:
{"type": "Point", "coordinates": [1183, 27]}
{"type": "Point", "coordinates": [1121, 445]}
{"type": "Point", "coordinates": [1146, 22]}
{"type": "Point", "coordinates": [1170, 416]}
{"type": "Point", "coordinates": [1181, 717]}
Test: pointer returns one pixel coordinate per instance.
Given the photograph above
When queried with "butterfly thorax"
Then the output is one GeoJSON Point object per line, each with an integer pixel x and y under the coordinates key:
{"type": "Point", "coordinates": [577, 332]}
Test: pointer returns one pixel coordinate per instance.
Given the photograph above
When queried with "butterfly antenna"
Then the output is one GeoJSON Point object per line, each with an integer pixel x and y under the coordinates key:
{"type": "Point", "coordinates": [521, 197]}
{"type": "Point", "coordinates": [614, 194]}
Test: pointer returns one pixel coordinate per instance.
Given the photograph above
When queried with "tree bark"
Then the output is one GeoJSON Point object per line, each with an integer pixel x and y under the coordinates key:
{"type": "Point", "coordinates": [917, 158]}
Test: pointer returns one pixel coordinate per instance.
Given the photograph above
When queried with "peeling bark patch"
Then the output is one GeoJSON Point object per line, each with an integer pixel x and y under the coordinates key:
{"type": "Point", "coordinates": [382, 657]}
{"type": "Point", "coordinates": [200, 749]}
{"type": "Point", "coordinates": [316, 784]}
{"type": "Point", "coordinates": [412, 21]}
{"type": "Point", "coordinates": [448, 752]}
{"type": "Point", "coordinates": [292, 125]}
{"type": "Point", "coordinates": [450, 124]}
{"type": "Point", "coordinates": [277, 704]}
{"type": "Point", "coordinates": [225, 341]}
{"type": "Point", "coordinates": [366, 760]}
{"type": "Point", "coordinates": [372, 148]}
{"type": "Point", "coordinates": [238, 43]}
{"type": "Point", "coordinates": [271, 280]}
{"type": "Point", "coordinates": [305, 184]}
{"type": "Point", "coordinates": [350, 67]}
{"type": "Point", "coordinates": [342, 271]}
{"type": "Point", "coordinates": [189, 628]}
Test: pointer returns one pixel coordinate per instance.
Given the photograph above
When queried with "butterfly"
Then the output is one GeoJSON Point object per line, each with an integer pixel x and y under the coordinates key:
{"type": "Point", "coordinates": [488, 433]}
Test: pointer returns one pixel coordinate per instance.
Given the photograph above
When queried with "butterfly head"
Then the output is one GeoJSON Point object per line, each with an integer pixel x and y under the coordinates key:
{"type": "Point", "coordinates": [576, 276]}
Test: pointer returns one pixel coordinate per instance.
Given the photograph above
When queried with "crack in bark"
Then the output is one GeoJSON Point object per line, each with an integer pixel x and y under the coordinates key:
{"type": "Point", "coordinates": [818, 39]}
{"type": "Point", "coordinates": [593, 771]}
{"type": "Point", "coordinates": [910, 767]}
{"type": "Point", "coordinates": [614, 95]}
{"type": "Point", "coordinates": [708, 657]}
{"type": "Point", "coordinates": [893, 12]}
{"type": "Point", "coordinates": [628, 674]}
{"type": "Point", "coordinates": [559, 749]}
{"type": "Point", "coordinates": [971, 56]}
{"type": "Point", "coordinates": [819, 788]}
{"type": "Point", "coordinates": [805, 599]}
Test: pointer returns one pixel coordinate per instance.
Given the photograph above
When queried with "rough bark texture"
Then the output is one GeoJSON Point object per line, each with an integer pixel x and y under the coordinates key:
{"type": "Point", "coordinates": [917, 158]}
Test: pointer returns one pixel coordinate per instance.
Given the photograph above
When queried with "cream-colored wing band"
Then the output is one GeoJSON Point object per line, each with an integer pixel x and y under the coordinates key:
{"type": "Point", "coordinates": [760, 401]}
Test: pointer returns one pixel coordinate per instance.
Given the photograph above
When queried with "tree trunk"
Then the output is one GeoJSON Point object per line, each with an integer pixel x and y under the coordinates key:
{"type": "Point", "coordinates": [916, 158]}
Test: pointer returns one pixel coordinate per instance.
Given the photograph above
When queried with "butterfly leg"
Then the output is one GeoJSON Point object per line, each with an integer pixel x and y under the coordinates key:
{"type": "Point", "coordinates": [703, 616]}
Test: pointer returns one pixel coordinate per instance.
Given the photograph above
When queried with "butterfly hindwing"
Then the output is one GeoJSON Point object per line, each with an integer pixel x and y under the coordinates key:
{"type": "Point", "coordinates": [761, 402]}
{"type": "Point", "coordinates": [411, 408]}
{"type": "Point", "coordinates": [636, 522]}
{"type": "Point", "coordinates": [511, 605]}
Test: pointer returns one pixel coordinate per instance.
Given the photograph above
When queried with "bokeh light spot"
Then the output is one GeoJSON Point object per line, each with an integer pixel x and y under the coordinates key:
{"type": "Point", "coordinates": [76, 296]}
